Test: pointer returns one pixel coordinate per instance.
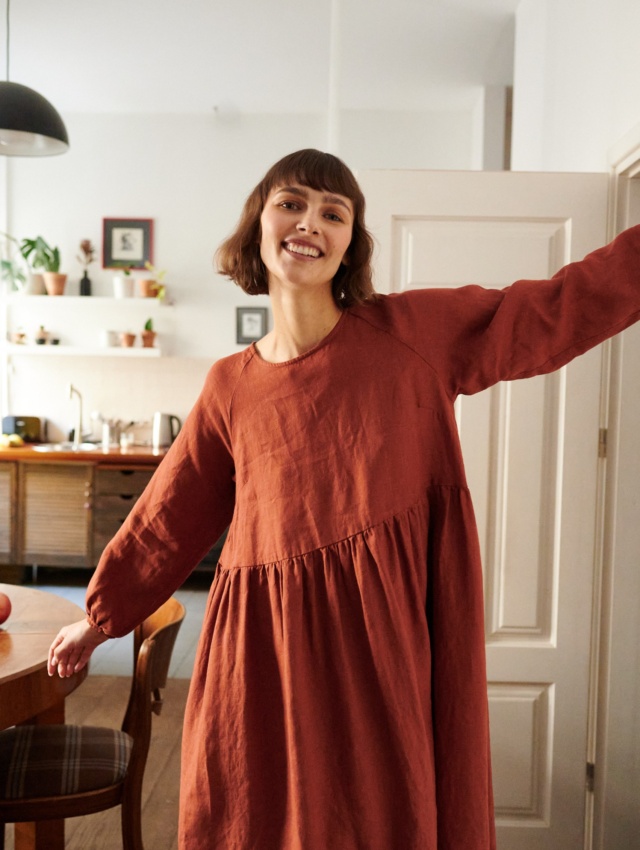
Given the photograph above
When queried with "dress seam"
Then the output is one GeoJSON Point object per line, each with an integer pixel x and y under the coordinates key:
{"type": "Point", "coordinates": [248, 354]}
{"type": "Point", "coordinates": [275, 561]}
{"type": "Point", "coordinates": [393, 334]}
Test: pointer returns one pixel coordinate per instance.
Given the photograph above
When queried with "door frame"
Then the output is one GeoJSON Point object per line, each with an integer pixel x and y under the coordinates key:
{"type": "Point", "coordinates": [624, 160]}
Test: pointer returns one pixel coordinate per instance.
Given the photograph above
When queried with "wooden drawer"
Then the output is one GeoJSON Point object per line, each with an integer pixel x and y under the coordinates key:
{"type": "Point", "coordinates": [113, 505]}
{"type": "Point", "coordinates": [121, 482]}
{"type": "Point", "coordinates": [115, 492]}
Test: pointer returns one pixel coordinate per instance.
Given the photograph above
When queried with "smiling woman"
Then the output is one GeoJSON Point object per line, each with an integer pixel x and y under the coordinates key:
{"type": "Point", "coordinates": [339, 696]}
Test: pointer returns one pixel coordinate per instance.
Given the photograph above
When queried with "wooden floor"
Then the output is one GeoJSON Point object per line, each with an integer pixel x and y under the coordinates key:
{"type": "Point", "coordinates": [101, 701]}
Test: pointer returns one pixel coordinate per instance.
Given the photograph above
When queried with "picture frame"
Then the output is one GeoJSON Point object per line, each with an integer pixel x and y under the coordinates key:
{"type": "Point", "coordinates": [127, 242]}
{"type": "Point", "coordinates": [251, 324]}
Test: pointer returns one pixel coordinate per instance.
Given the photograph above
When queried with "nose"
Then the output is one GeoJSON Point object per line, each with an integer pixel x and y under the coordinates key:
{"type": "Point", "coordinates": [308, 222]}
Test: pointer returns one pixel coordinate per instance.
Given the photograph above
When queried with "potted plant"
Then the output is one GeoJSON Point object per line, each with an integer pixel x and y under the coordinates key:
{"type": "Point", "coordinates": [148, 334]}
{"type": "Point", "coordinates": [85, 258]}
{"type": "Point", "coordinates": [42, 256]}
{"type": "Point", "coordinates": [152, 287]}
{"type": "Point", "coordinates": [123, 282]}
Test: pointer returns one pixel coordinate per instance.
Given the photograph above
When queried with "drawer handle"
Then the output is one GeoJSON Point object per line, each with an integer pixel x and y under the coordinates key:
{"type": "Point", "coordinates": [126, 497]}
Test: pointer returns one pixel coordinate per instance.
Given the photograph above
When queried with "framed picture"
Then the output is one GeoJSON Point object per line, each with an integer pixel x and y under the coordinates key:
{"type": "Point", "coordinates": [251, 324]}
{"type": "Point", "coordinates": [127, 242]}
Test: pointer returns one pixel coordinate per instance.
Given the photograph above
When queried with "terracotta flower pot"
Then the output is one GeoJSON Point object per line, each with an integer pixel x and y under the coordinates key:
{"type": "Point", "coordinates": [148, 338]}
{"type": "Point", "coordinates": [54, 282]}
{"type": "Point", "coordinates": [127, 339]}
{"type": "Point", "coordinates": [147, 287]}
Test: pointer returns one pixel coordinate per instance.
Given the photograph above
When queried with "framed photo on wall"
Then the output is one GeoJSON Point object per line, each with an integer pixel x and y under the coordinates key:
{"type": "Point", "coordinates": [127, 242]}
{"type": "Point", "coordinates": [251, 324]}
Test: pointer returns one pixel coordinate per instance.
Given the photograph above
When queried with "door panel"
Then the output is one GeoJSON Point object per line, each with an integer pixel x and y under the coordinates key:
{"type": "Point", "coordinates": [531, 455]}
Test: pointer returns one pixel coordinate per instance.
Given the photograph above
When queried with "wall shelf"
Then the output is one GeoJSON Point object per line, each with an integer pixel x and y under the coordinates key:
{"type": "Point", "coordinates": [14, 349]}
{"type": "Point", "coordinates": [81, 323]}
{"type": "Point", "coordinates": [18, 297]}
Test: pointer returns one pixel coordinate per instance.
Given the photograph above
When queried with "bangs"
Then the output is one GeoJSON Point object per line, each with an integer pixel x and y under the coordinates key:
{"type": "Point", "coordinates": [315, 170]}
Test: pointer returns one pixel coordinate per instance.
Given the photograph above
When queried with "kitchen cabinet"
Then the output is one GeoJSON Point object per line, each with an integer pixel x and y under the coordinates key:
{"type": "Point", "coordinates": [8, 478]}
{"type": "Point", "coordinates": [53, 517]}
{"type": "Point", "coordinates": [115, 492]}
{"type": "Point", "coordinates": [63, 511]}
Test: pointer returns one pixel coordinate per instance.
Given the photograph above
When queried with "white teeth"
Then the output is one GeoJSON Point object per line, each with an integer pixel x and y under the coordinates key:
{"type": "Point", "coordinates": [307, 250]}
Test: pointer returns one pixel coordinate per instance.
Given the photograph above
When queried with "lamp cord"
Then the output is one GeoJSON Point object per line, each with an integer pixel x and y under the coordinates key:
{"type": "Point", "coordinates": [8, 5]}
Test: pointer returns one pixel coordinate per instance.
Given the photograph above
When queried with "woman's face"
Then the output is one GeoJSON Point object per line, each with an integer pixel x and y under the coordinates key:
{"type": "Point", "coordinates": [305, 235]}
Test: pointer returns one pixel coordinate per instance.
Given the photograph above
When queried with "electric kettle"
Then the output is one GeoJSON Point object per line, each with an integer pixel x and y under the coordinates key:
{"type": "Point", "coordinates": [165, 429]}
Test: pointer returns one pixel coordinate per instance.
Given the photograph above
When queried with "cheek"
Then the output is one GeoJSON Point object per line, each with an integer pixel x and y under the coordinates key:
{"type": "Point", "coordinates": [345, 252]}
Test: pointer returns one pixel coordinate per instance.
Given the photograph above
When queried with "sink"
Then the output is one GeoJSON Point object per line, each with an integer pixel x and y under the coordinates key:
{"type": "Point", "coordinates": [65, 447]}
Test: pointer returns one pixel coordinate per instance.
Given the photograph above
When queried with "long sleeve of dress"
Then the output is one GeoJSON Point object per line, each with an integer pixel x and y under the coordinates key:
{"type": "Point", "coordinates": [474, 337]}
{"type": "Point", "coordinates": [185, 507]}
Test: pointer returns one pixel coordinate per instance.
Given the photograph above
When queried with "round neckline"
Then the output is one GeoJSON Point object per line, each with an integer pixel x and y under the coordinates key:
{"type": "Point", "coordinates": [324, 341]}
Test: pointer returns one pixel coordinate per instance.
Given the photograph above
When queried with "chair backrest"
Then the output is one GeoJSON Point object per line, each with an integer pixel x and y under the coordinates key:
{"type": "Point", "coordinates": [154, 640]}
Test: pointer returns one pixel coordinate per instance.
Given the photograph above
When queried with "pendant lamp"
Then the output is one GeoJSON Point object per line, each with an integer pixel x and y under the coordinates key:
{"type": "Point", "coordinates": [29, 124]}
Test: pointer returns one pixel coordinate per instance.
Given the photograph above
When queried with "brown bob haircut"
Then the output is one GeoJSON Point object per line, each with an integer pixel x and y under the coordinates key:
{"type": "Point", "coordinates": [239, 256]}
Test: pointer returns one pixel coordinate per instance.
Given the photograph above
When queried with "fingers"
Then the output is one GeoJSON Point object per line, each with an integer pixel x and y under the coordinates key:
{"type": "Point", "coordinates": [72, 648]}
{"type": "Point", "coordinates": [66, 661]}
{"type": "Point", "coordinates": [52, 661]}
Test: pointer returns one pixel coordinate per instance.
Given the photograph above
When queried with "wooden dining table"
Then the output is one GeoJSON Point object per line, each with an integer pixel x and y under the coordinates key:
{"type": "Point", "coordinates": [27, 693]}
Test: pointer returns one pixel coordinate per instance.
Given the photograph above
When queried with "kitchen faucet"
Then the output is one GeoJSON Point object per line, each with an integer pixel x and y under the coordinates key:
{"type": "Point", "coordinates": [77, 431]}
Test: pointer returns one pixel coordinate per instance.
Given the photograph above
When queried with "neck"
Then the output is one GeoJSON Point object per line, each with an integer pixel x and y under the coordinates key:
{"type": "Point", "coordinates": [299, 324]}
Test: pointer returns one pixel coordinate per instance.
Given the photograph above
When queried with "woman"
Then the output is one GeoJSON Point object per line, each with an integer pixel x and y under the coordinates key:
{"type": "Point", "coordinates": [339, 694]}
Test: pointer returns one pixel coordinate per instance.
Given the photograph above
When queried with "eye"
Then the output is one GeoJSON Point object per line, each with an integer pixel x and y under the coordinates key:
{"type": "Point", "coordinates": [332, 216]}
{"type": "Point", "coordinates": [289, 205]}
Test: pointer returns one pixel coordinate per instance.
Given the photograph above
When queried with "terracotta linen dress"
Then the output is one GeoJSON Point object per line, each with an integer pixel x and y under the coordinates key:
{"type": "Point", "coordinates": [339, 694]}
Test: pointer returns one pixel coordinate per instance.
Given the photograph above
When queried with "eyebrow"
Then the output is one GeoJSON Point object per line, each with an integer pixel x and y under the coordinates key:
{"type": "Point", "coordinates": [328, 199]}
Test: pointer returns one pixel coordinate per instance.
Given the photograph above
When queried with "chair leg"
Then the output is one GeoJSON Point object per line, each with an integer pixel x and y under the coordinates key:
{"type": "Point", "coordinates": [131, 814]}
{"type": "Point", "coordinates": [2, 829]}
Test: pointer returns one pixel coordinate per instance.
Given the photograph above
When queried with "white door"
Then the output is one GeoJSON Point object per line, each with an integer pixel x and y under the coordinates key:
{"type": "Point", "coordinates": [531, 453]}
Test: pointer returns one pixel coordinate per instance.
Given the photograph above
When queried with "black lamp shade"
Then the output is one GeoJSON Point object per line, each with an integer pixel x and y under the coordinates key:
{"type": "Point", "coordinates": [29, 124]}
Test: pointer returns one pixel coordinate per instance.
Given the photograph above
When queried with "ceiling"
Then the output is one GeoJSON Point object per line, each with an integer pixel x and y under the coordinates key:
{"type": "Point", "coordinates": [195, 56]}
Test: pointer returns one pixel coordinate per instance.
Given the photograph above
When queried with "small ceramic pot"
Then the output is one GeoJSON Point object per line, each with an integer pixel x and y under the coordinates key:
{"type": "Point", "coordinates": [122, 286]}
{"type": "Point", "coordinates": [127, 339]}
{"type": "Point", "coordinates": [147, 287]}
{"type": "Point", "coordinates": [35, 284]}
{"type": "Point", "coordinates": [148, 338]}
{"type": "Point", "coordinates": [54, 283]}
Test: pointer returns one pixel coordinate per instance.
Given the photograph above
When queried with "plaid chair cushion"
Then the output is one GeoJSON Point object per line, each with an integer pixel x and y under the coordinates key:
{"type": "Point", "coordinates": [51, 761]}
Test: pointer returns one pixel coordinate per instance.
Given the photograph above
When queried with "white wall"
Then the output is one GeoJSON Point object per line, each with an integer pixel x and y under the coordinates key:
{"type": "Point", "coordinates": [576, 75]}
{"type": "Point", "coordinates": [190, 174]}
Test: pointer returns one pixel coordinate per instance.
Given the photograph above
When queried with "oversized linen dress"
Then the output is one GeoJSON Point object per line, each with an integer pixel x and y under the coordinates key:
{"type": "Point", "coordinates": [338, 700]}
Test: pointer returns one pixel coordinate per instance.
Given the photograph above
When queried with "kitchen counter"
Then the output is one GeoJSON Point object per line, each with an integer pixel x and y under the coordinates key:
{"type": "Point", "coordinates": [131, 456]}
{"type": "Point", "coordinates": [62, 508]}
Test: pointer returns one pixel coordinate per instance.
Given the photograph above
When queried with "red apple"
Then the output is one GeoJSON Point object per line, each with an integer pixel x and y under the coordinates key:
{"type": "Point", "coordinates": [5, 607]}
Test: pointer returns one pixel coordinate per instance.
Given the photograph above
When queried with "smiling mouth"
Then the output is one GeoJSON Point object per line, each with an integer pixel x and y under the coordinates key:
{"type": "Point", "coordinates": [304, 250]}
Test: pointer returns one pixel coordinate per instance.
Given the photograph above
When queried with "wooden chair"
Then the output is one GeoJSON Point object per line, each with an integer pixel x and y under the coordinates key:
{"type": "Point", "coordinates": [55, 772]}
